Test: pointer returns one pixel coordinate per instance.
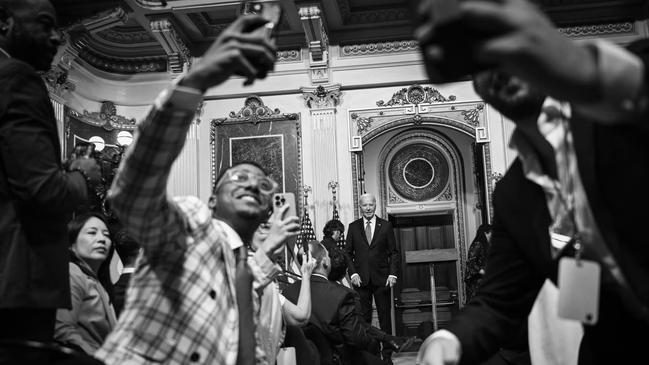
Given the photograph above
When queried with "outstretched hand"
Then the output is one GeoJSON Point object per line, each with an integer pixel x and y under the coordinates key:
{"type": "Point", "coordinates": [236, 50]}
{"type": "Point", "coordinates": [280, 230]}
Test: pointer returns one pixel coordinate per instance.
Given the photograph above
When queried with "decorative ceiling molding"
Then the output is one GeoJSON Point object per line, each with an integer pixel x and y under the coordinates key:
{"type": "Point", "coordinates": [123, 35]}
{"type": "Point", "coordinates": [379, 48]}
{"type": "Point", "coordinates": [254, 111]}
{"type": "Point", "coordinates": [105, 20]}
{"type": "Point", "coordinates": [593, 30]}
{"type": "Point", "coordinates": [204, 24]}
{"type": "Point", "coordinates": [164, 31]}
{"type": "Point", "coordinates": [416, 94]}
{"type": "Point", "coordinates": [321, 96]}
{"type": "Point", "coordinates": [317, 42]}
{"type": "Point", "coordinates": [123, 65]}
{"type": "Point", "coordinates": [350, 17]}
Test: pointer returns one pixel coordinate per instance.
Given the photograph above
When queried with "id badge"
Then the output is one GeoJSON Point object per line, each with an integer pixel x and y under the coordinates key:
{"type": "Point", "coordinates": [579, 290]}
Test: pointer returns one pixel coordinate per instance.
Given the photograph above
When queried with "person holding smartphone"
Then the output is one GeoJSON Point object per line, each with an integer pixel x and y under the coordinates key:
{"type": "Point", "coordinates": [37, 193]}
{"type": "Point", "coordinates": [582, 121]}
{"type": "Point", "coordinates": [190, 299]}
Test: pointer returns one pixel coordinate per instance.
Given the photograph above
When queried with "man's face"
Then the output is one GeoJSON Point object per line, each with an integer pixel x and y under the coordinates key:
{"type": "Point", "coordinates": [33, 37]}
{"type": "Point", "coordinates": [368, 206]}
{"type": "Point", "coordinates": [237, 201]}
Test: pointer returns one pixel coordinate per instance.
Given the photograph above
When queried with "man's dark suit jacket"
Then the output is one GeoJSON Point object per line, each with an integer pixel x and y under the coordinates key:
{"type": "Point", "coordinates": [333, 311]}
{"type": "Point", "coordinates": [613, 163]}
{"type": "Point", "coordinates": [372, 262]}
{"type": "Point", "coordinates": [36, 196]}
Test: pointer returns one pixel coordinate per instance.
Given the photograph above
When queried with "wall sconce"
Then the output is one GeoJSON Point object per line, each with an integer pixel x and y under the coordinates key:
{"type": "Point", "coordinates": [99, 143]}
{"type": "Point", "coordinates": [124, 138]}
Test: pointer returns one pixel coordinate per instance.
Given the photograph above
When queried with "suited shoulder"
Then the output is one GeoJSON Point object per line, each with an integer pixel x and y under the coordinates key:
{"type": "Point", "coordinates": [12, 67]}
{"type": "Point", "coordinates": [16, 74]}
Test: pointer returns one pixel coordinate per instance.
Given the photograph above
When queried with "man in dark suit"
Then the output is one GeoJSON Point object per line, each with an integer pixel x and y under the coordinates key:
{"type": "Point", "coordinates": [374, 257]}
{"type": "Point", "coordinates": [585, 152]}
{"type": "Point", "coordinates": [333, 313]}
{"type": "Point", "coordinates": [37, 196]}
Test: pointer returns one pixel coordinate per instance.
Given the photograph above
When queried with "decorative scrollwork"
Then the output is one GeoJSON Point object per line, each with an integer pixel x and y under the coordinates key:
{"type": "Point", "coordinates": [106, 118]}
{"type": "Point", "coordinates": [472, 116]}
{"type": "Point", "coordinates": [362, 123]}
{"type": "Point", "coordinates": [322, 97]}
{"type": "Point", "coordinates": [416, 94]}
{"type": "Point", "coordinates": [254, 111]}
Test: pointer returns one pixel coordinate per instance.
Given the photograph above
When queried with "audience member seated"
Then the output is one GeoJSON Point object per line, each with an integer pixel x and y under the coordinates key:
{"type": "Point", "coordinates": [86, 325]}
{"type": "Point", "coordinates": [338, 269]}
{"type": "Point", "coordinates": [128, 250]}
{"type": "Point", "coordinates": [333, 312]}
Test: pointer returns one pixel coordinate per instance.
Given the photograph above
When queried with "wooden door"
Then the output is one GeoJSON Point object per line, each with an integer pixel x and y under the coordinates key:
{"type": "Point", "coordinates": [413, 314]}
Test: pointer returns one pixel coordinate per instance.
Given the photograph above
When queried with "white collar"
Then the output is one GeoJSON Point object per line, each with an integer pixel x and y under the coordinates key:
{"type": "Point", "coordinates": [372, 220]}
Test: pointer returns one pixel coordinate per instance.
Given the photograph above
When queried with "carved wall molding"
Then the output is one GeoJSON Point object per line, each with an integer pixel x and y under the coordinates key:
{"type": "Point", "coordinates": [206, 26]}
{"type": "Point", "coordinates": [254, 111]}
{"type": "Point", "coordinates": [106, 118]}
{"type": "Point", "coordinates": [592, 30]}
{"type": "Point", "coordinates": [321, 96]}
{"type": "Point", "coordinates": [317, 43]}
{"type": "Point", "coordinates": [416, 94]}
{"type": "Point", "coordinates": [472, 116]}
{"type": "Point", "coordinates": [365, 49]}
{"type": "Point", "coordinates": [102, 21]}
{"type": "Point", "coordinates": [289, 55]}
{"type": "Point", "coordinates": [121, 65]}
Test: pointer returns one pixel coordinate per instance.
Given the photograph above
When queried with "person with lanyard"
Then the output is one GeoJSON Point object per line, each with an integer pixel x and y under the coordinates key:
{"type": "Point", "coordinates": [557, 211]}
{"type": "Point", "coordinates": [190, 299]}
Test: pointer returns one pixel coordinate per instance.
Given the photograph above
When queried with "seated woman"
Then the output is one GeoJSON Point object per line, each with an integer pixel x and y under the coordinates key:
{"type": "Point", "coordinates": [275, 311]}
{"type": "Point", "coordinates": [86, 325]}
{"type": "Point", "coordinates": [332, 231]}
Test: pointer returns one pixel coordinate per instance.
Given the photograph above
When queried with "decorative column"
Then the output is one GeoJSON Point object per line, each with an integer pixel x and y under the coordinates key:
{"type": "Point", "coordinates": [322, 101]}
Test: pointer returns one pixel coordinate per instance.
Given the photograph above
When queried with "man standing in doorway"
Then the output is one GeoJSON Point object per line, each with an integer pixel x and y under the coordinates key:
{"type": "Point", "coordinates": [374, 261]}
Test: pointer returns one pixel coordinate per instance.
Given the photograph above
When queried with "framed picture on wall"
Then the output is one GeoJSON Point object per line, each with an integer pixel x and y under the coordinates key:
{"type": "Point", "coordinates": [268, 137]}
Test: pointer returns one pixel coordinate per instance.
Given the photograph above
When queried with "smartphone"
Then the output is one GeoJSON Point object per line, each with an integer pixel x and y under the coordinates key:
{"type": "Point", "coordinates": [281, 199]}
{"type": "Point", "coordinates": [271, 10]}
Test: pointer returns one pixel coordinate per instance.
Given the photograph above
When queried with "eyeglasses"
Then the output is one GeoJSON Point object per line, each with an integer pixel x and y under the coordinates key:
{"type": "Point", "coordinates": [243, 178]}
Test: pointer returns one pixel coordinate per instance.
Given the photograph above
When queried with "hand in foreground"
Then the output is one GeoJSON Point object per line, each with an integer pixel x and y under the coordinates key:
{"type": "Point", "coordinates": [391, 281]}
{"type": "Point", "coordinates": [237, 49]}
{"type": "Point", "coordinates": [308, 264]}
{"type": "Point", "coordinates": [356, 280]}
{"type": "Point", "coordinates": [439, 351]}
{"type": "Point", "coordinates": [89, 166]}
{"type": "Point", "coordinates": [280, 230]}
{"type": "Point", "coordinates": [523, 42]}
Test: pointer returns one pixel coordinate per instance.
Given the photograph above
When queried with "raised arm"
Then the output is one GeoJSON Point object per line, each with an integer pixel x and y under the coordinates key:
{"type": "Point", "coordinates": [298, 315]}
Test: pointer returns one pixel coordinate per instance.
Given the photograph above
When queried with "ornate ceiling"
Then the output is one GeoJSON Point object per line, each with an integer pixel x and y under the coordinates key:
{"type": "Point", "coordinates": [135, 36]}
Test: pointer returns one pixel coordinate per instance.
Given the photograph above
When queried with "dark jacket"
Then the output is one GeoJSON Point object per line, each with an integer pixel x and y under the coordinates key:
{"type": "Point", "coordinates": [36, 196]}
{"type": "Point", "coordinates": [372, 262]}
{"type": "Point", "coordinates": [333, 312]}
{"type": "Point", "coordinates": [613, 164]}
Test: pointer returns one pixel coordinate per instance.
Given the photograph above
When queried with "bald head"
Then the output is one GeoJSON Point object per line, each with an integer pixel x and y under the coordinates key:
{"type": "Point", "coordinates": [28, 31]}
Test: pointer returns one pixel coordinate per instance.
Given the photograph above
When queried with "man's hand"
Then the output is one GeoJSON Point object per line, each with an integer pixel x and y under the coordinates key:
{"type": "Point", "coordinates": [522, 41]}
{"type": "Point", "coordinates": [280, 230]}
{"type": "Point", "coordinates": [89, 166]}
{"type": "Point", "coordinates": [439, 350]}
{"type": "Point", "coordinates": [356, 280]}
{"type": "Point", "coordinates": [237, 49]}
{"type": "Point", "coordinates": [391, 281]}
{"type": "Point", "coordinates": [308, 264]}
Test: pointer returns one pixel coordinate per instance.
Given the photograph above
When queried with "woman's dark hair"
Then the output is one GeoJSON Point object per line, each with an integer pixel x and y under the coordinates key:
{"type": "Point", "coordinates": [483, 229]}
{"type": "Point", "coordinates": [338, 264]}
{"type": "Point", "coordinates": [331, 226]}
{"type": "Point", "coordinates": [74, 227]}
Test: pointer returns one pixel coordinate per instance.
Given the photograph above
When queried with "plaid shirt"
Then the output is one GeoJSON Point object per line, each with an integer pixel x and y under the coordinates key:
{"type": "Point", "coordinates": [181, 305]}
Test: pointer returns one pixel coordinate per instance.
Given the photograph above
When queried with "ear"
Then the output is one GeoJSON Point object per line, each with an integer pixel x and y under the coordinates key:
{"type": "Point", "coordinates": [211, 203]}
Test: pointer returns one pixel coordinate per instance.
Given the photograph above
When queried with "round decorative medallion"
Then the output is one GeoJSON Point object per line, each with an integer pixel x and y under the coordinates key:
{"type": "Point", "coordinates": [419, 172]}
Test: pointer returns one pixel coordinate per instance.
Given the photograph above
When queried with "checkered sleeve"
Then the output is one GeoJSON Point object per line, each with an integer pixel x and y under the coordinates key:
{"type": "Point", "coordinates": [138, 194]}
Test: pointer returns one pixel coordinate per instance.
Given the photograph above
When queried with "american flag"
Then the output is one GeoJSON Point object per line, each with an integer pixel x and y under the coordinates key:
{"type": "Point", "coordinates": [306, 235]}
